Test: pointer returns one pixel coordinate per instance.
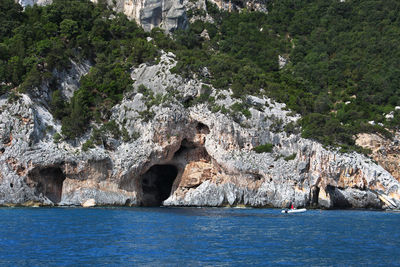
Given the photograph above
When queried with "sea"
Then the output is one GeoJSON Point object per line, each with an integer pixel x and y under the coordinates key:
{"type": "Point", "coordinates": [197, 237]}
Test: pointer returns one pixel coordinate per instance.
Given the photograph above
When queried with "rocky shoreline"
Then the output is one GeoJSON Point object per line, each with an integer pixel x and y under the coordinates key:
{"type": "Point", "coordinates": [179, 152]}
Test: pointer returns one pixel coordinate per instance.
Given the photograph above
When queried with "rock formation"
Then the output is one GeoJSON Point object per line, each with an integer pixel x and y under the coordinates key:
{"type": "Point", "coordinates": [251, 5]}
{"type": "Point", "coordinates": [168, 15]}
{"type": "Point", "coordinates": [383, 150]}
{"type": "Point", "coordinates": [180, 152]}
{"type": "Point", "coordinates": [25, 3]}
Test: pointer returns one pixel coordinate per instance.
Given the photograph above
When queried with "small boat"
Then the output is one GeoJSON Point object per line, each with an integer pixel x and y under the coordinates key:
{"type": "Point", "coordinates": [293, 210]}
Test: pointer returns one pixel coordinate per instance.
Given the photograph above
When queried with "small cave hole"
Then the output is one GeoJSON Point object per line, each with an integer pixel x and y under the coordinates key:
{"type": "Point", "coordinates": [48, 181]}
{"type": "Point", "coordinates": [157, 184]}
{"type": "Point", "coordinates": [2, 150]}
{"type": "Point", "coordinates": [11, 185]}
{"type": "Point", "coordinates": [257, 177]}
{"type": "Point", "coordinates": [202, 128]}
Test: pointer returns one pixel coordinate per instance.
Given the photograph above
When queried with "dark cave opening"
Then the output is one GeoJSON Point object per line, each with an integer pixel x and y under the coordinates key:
{"type": "Point", "coordinates": [157, 184]}
{"type": "Point", "coordinates": [314, 196]}
{"type": "Point", "coordinates": [202, 128]}
{"type": "Point", "coordinates": [48, 181]}
{"type": "Point", "coordinates": [185, 146]}
{"type": "Point", "coordinates": [337, 198]}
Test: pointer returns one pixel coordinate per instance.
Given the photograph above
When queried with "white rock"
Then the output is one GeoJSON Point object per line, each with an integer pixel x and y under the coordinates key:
{"type": "Point", "coordinates": [89, 203]}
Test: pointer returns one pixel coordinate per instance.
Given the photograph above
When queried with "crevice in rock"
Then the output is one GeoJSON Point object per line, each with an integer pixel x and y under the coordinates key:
{"type": "Point", "coordinates": [314, 196]}
{"type": "Point", "coordinates": [157, 184]}
{"type": "Point", "coordinates": [47, 181]}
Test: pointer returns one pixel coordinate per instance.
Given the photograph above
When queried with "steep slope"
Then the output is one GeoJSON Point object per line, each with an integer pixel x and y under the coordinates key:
{"type": "Point", "coordinates": [179, 152]}
{"type": "Point", "coordinates": [82, 120]}
{"type": "Point", "coordinates": [168, 15]}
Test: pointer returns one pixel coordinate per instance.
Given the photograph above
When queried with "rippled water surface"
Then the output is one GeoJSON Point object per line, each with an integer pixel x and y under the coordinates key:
{"type": "Point", "coordinates": [193, 237]}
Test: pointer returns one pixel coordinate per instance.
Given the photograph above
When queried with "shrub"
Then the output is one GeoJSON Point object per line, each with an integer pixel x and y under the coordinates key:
{"type": "Point", "coordinates": [276, 125]}
{"type": "Point", "coordinates": [125, 135]}
{"type": "Point", "coordinates": [292, 128]}
{"type": "Point", "coordinates": [290, 157]}
{"type": "Point", "coordinates": [265, 148]}
{"type": "Point", "coordinates": [57, 138]}
{"type": "Point", "coordinates": [87, 145]}
{"type": "Point", "coordinates": [135, 135]}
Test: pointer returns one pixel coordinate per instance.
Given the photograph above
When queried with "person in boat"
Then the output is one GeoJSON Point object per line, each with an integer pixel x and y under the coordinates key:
{"type": "Point", "coordinates": [291, 207]}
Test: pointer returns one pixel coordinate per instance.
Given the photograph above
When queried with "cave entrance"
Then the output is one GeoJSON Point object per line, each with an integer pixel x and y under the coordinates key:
{"type": "Point", "coordinates": [157, 184]}
{"type": "Point", "coordinates": [48, 181]}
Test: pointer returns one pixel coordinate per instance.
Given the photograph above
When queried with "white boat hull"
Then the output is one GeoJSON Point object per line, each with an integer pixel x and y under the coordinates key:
{"type": "Point", "coordinates": [294, 211]}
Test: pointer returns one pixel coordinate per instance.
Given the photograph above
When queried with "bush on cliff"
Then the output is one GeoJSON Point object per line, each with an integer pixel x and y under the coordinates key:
{"type": "Point", "coordinates": [265, 148]}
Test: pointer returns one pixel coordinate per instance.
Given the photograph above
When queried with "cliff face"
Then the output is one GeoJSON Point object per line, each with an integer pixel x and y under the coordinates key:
{"type": "Point", "coordinates": [251, 5]}
{"type": "Point", "coordinates": [168, 15]}
{"type": "Point", "coordinates": [25, 3]}
{"type": "Point", "coordinates": [177, 151]}
{"type": "Point", "coordinates": [384, 151]}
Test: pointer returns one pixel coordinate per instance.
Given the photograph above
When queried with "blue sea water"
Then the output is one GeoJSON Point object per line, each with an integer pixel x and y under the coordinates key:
{"type": "Point", "coordinates": [196, 237]}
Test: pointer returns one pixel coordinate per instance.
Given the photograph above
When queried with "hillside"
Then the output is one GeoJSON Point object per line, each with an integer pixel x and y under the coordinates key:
{"type": "Point", "coordinates": [259, 107]}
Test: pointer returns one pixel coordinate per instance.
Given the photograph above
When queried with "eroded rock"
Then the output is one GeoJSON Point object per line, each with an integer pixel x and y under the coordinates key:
{"type": "Point", "coordinates": [168, 15]}
{"type": "Point", "coordinates": [384, 151]}
{"type": "Point", "coordinates": [89, 203]}
{"type": "Point", "coordinates": [183, 155]}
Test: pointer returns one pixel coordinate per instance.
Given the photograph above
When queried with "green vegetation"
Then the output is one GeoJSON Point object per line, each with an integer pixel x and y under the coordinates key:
{"type": "Point", "coordinates": [35, 42]}
{"type": "Point", "coordinates": [57, 138]}
{"type": "Point", "coordinates": [343, 66]}
{"type": "Point", "coordinates": [87, 145]}
{"type": "Point", "coordinates": [265, 148]}
{"type": "Point", "coordinates": [240, 108]}
{"type": "Point", "coordinates": [343, 71]}
{"type": "Point", "coordinates": [290, 157]}
{"type": "Point", "coordinates": [99, 135]}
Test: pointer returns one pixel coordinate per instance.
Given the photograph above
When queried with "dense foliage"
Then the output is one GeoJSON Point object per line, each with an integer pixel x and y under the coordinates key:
{"type": "Point", "coordinates": [343, 70]}
{"type": "Point", "coordinates": [344, 61]}
{"type": "Point", "coordinates": [39, 40]}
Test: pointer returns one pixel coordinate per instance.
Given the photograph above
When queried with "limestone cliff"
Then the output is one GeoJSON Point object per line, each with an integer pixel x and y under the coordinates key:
{"type": "Point", "coordinates": [251, 5]}
{"type": "Point", "coordinates": [25, 3]}
{"type": "Point", "coordinates": [181, 152]}
{"type": "Point", "coordinates": [168, 15]}
{"type": "Point", "coordinates": [383, 150]}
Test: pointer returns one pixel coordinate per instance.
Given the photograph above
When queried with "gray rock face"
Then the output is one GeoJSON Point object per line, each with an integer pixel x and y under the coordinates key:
{"type": "Point", "coordinates": [251, 5]}
{"type": "Point", "coordinates": [180, 154]}
{"type": "Point", "coordinates": [168, 15]}
{"type": "Point", "coordinates": [25, 3]}
{"type": "Point", "coordinates": [69, 79]}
